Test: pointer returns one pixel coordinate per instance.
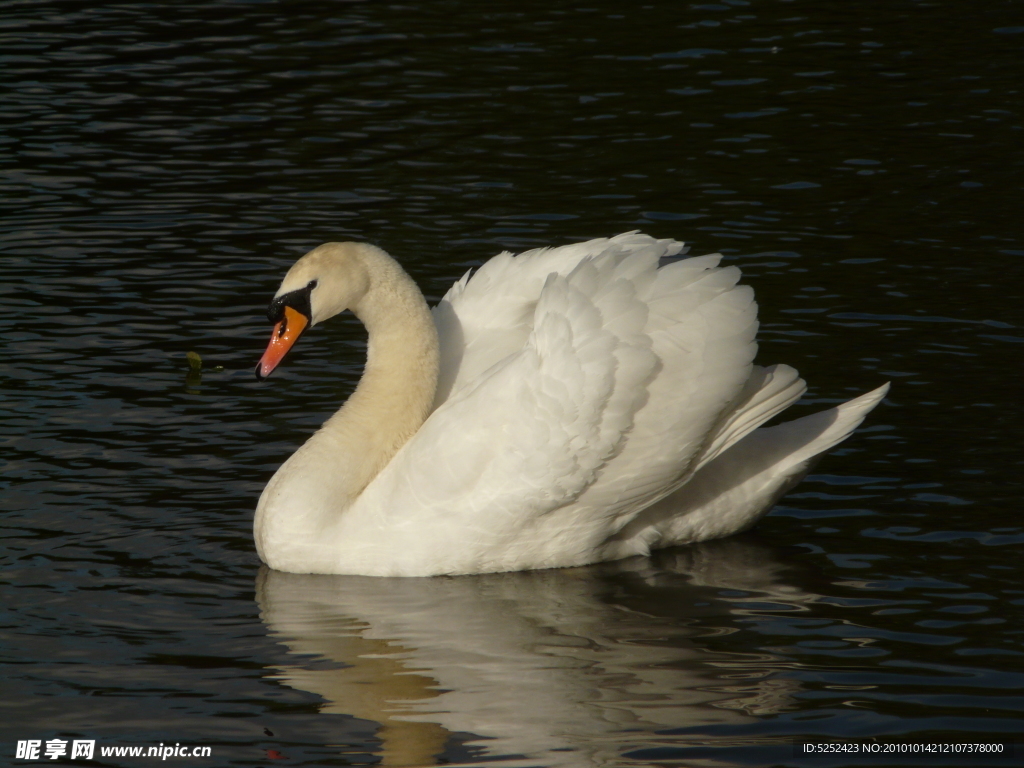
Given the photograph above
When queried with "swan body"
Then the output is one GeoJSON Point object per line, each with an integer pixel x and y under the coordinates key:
{"type": "Point", "coordinates": [560, 407]}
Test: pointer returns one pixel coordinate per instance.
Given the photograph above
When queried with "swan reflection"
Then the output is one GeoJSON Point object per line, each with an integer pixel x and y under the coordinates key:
{"type": "Point", "coordinates": [561, 667]}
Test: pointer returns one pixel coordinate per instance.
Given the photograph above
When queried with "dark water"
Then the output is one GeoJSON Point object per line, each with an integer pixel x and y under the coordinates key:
{"type": "Point", "coordinates": [162, 164]}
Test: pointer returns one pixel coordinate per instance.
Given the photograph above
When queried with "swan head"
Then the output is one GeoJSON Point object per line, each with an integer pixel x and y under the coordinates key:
{"type": "Point", "coordinates": [328, 280]}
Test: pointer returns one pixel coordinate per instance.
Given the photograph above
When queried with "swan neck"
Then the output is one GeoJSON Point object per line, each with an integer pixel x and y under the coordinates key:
{"type": "Point", "coordinates": [317, 485]}
{"type": "Point", "coordinates": [396, 391]}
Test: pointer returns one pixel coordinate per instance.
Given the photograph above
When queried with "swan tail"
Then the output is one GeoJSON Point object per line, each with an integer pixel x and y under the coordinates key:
{"type": "Point", "coordinates": [738, 486]}
{"type": "Point", "coordinates": [767, 393]}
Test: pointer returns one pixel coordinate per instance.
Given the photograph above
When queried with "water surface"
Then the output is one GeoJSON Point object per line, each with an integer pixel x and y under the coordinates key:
{"type": "Point", "coordinates": [162, 164]}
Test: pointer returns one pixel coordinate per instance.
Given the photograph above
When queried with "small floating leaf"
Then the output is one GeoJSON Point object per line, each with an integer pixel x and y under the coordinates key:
{"type": "Point", "coordinates": [195, 362]}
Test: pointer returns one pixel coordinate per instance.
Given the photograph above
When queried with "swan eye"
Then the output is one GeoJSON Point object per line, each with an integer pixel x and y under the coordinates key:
{"type": "Point", "coordinates": [298, 300]}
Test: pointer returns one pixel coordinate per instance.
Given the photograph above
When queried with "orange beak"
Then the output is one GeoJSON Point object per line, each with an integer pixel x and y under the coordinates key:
{"type": "Point", "coordinates": [284, 336]}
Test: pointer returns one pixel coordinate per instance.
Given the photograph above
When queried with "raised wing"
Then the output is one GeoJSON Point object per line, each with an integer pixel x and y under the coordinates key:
{"type": "Point", "coordinates": [488, 316]}
{"type": "Point", "coordinates": [527, 437]}
{"type": "Point", "coordinates": [605, 406]}
{"type": "Point", "coordinates": [702, 326]}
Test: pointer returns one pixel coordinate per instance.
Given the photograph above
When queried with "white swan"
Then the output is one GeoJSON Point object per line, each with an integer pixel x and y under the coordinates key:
{"type": "Point", "coordinates": [561, 407]}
